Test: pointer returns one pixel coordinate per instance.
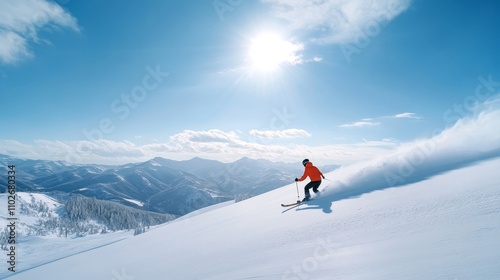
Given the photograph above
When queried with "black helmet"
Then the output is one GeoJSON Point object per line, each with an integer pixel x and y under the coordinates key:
{"type": "Point", "coordinates": [304, 162]}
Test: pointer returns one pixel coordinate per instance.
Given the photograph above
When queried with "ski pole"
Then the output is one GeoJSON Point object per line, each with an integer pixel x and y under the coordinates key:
{"type": "Point", "coordinates": [297, 185]}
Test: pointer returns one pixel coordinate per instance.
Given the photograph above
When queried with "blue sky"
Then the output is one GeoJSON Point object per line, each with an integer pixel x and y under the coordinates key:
{"type": "Point", "coordinates": [334, 81]}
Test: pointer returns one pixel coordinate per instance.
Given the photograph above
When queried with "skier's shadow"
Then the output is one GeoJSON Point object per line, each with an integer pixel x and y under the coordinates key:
{"type": "Point", "coordinates": [316, 204]}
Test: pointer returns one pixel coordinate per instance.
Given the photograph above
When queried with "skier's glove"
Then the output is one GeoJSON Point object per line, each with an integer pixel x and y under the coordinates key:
{"type": "Point", "coordinates": [296, 179]}
{"type": "Point", "coordinates": [323, 176]}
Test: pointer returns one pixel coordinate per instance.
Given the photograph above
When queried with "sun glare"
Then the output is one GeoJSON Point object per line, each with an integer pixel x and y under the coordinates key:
{"type": "Point", "coordinates": [268, 51]}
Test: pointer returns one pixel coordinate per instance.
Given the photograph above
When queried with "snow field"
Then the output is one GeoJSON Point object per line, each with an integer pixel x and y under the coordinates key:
{"type": "Point", "coordinates": [446, 227]}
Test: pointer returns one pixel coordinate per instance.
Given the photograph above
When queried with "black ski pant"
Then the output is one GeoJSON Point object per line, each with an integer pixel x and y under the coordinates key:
{"type": "Point", "coordinates": [312, 185]}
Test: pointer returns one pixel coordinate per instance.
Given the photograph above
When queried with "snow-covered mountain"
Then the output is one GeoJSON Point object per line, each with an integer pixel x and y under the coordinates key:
{"type": "Point", "coordinates": [161, 185]}
{"type": "Point", "coordinates": [28, 170]}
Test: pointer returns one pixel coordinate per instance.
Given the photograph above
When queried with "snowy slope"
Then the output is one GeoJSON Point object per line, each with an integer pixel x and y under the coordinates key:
{"type": "Point", "coordinates": [446, 227]}
{"type": "Point", "coordinates": [431, 210]}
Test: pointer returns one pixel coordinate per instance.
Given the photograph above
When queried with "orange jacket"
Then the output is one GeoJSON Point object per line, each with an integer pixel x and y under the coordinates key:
{"type": "Point", "coordinates": [312, 172]}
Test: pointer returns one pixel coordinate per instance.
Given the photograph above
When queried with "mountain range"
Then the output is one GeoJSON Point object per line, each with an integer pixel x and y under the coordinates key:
{"type": "Point", "coordinates": [159, 185]}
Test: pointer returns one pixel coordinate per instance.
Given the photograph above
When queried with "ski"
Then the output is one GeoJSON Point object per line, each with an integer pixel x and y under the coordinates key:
{"type": "Point", "coordinates": [291, 204]}
{"type": "Point", "coordinates": [295, 203]}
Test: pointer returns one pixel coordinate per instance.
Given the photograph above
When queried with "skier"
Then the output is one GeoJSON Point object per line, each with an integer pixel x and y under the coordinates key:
{"type": "Point", "coordinates": [314, 174]}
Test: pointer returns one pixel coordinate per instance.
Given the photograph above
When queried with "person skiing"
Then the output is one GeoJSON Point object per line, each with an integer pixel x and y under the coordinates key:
{"type": "Point", "coordinates": [314, 174]}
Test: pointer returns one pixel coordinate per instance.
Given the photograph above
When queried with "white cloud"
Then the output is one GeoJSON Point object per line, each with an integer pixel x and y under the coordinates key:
{"type": "Point", "coordinates": [373, 122]}
{"type": "Point", "coordinates": [213, 135]}
{"type": "Point", "coordinates": [407, 116]}
{"type": "Point", "coordinates": [314, 59]}
{"type": "Point", "coordinates": [360, 124]}
{"type": "Point", "coordinates": [293, 53]}
{"type": "Point", "coordinates": [20, 22]}
{"type": "Point", "coordinates": [337, 21]}
{"type": "Point", "coordinates": [12, 48]}
{"type": "Point", "coordinates": [280, 134]}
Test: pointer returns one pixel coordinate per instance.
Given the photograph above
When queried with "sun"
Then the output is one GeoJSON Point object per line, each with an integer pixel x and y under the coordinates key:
{"type": "Point", "coordinates": [267, 52]}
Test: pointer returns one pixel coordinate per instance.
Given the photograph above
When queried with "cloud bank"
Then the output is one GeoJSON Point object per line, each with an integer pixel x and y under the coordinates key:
{"type": "Point", "coordinates": [211, 144]}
